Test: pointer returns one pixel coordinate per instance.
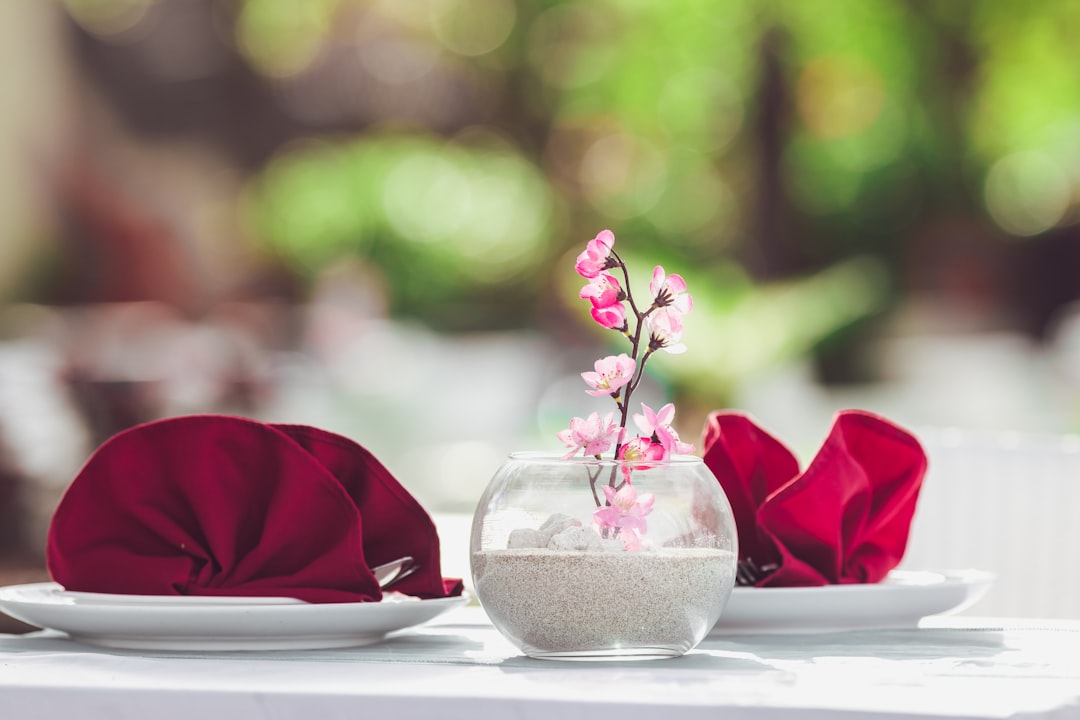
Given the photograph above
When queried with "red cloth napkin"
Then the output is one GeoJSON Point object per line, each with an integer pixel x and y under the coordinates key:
{"type": "Point", "coordinates": [218, 505]}
{"type": "Point", "coordinates": [845, 519]}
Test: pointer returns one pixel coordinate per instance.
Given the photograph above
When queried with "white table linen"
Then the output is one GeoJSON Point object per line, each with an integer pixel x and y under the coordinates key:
{"type": "Point", "coordinates": [459, 666]}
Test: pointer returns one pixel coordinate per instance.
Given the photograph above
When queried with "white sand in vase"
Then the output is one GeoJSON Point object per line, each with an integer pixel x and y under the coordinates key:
{"type": "Point", "coordinates": [553, 601]}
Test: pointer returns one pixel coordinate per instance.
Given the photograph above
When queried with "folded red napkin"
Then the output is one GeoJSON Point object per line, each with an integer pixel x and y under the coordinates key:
{"type": "Point", "coordinates": [845, 519]}
{"type": "Point", "coordinates": [218, 505]}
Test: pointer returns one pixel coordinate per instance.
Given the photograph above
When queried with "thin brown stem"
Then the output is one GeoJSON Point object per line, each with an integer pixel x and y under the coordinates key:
{"type": "Point", "coordinates": [626, 280]}
{"type": "Point", "coordinates": [635, 346]}
{"type": "Point", "coordinates": [592, 484]}
{"type": "Point", "coordinates": [639, 372]}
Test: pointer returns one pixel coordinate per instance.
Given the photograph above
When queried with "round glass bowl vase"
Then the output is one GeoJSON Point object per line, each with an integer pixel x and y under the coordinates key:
{"type": "Point", "coordinates": [567, 569]}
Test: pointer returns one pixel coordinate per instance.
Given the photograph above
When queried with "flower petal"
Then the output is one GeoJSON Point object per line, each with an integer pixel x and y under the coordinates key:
{"type": "Point", "coordinates": [657, 283]}
{"type": "Point", "coordinates": [675, 284]}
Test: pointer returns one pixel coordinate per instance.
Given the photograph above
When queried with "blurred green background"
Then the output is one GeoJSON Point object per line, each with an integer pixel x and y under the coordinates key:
{"type": "Point", "coordinates": [363, 214]}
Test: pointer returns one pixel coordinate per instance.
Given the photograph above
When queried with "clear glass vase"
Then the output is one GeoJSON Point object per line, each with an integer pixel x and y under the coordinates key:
{"type": "Point", "coordinates": [568, 569]}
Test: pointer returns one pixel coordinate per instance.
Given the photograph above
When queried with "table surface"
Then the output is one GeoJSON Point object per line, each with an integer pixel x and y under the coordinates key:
{"type": "Point", "coordinates": [459, 666]}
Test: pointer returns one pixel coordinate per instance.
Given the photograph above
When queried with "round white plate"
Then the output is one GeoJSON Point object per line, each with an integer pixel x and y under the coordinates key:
{"type": "Point", "coordinates": [91, 598]}
{"type": "Point", "coordinates": [900, 601]}
{"type": "Point", "coordinates": [200, 623]}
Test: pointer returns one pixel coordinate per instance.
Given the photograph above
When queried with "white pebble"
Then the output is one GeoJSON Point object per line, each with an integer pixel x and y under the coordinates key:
{"type": "Point", "coordinates": [555, 525]}
{"type": "Point", "coordinates": [575, 538]}
{"type": "Point", "coordinates": [527, 538]}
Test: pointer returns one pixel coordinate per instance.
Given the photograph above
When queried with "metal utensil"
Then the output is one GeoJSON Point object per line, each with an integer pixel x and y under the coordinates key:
{"type": "Point", "coordinates": [389, 573]}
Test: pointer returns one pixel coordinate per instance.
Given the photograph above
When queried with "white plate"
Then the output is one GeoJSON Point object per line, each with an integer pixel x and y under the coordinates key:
{"type": "Point", "coordinates": [91, 598]}
{"type": "Point", "coordinates": [190, 623]}
{"type": "Point", "coordinates": [900, 601]}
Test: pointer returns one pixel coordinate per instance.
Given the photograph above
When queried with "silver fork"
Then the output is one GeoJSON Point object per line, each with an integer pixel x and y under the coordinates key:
{"type": "Point", "coordinates": [389, 573]}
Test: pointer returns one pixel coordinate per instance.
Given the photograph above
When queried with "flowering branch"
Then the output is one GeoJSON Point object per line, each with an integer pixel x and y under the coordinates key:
{"type": "Point", "coordinates": [658, 327]}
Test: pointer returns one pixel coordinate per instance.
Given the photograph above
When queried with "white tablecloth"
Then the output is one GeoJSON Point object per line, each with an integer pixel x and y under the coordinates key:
{"type": "Point", "coordinates": [459, 666]}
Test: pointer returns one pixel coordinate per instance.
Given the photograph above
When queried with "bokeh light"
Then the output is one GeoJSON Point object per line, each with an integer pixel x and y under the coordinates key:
{"type": "Point", "coordinates": [478, 212]}
{"type": "Point", "coordinates": [700, 107]}
{"type": "Point", "coordinates": [1027, 193]}
{"type": "Point", "coordinates": [473, 27]}
{"type": "Point", "coordinates": [623, 175]}
{"type": "Point", "coordinates": [571, 45]}
{"type": "Point", "coordinates": [696, 195]}
{"type": "Point", "coordinates": [111, 20]}
{"type": "Point", "coordinates": [309, 206]}
{"type": "Point", "coordinates": [283, 37]}
{"type": "Point", "coordinates": [839, 96]}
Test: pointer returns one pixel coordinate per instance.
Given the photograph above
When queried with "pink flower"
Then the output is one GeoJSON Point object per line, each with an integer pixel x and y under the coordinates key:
{"type": "Point", "coordinates": [642, 449]}
{"type": "Point", "coordinates": [624, 515]}
{"type": "Point", "coordinates": [603, 291]}
{"type": "Point", "coordinates": [592, 434]}
{"type": "Point", "coordinates": [658, 424]}
{"type": "Point", "coordinates": [613, 318]}
{"type": "Point", "coordinates": [672, 442]}
{"type": "Point", "coordinates": [670, 290]}
{"type": "Point", "coordinates": [648, 421]}
{"type": "Point", "coordinates": [595, 257]}
{"type": "Point", "coordinates": [611, 373]}
{"type": "Point", "coordinates": [665, 331]}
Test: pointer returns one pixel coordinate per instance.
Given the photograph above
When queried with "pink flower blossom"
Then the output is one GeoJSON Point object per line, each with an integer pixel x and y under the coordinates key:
{"type": "Point", "coordinates": [658, 424]}
{"type": "Point", "coordinates": [603, 291]}
{"type": "Point", "coordinates": [593, 434]}
{"type": "Point", "coordinates": [595, 257]}
{"type": "Point", "coordinates": [672, 442]}
{"type": "Point", "coordinates": [613, 317]}
{"type": "Point", "coordinates": [665, 331]}
{"type": "Point", "coordinates": [624, 515]}
{"type": "Point", "coordinates": [648, 421]}
{"type": "Point", "coordinates": [611, 373]}
{"type": "Point", "coordinates": [642, 449]}
{"type": "Point", "coordinates": [670, 290]}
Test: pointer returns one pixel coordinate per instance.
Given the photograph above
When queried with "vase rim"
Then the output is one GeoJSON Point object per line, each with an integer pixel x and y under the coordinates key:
{"type": "Point", "coordinates": [540, 456]}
